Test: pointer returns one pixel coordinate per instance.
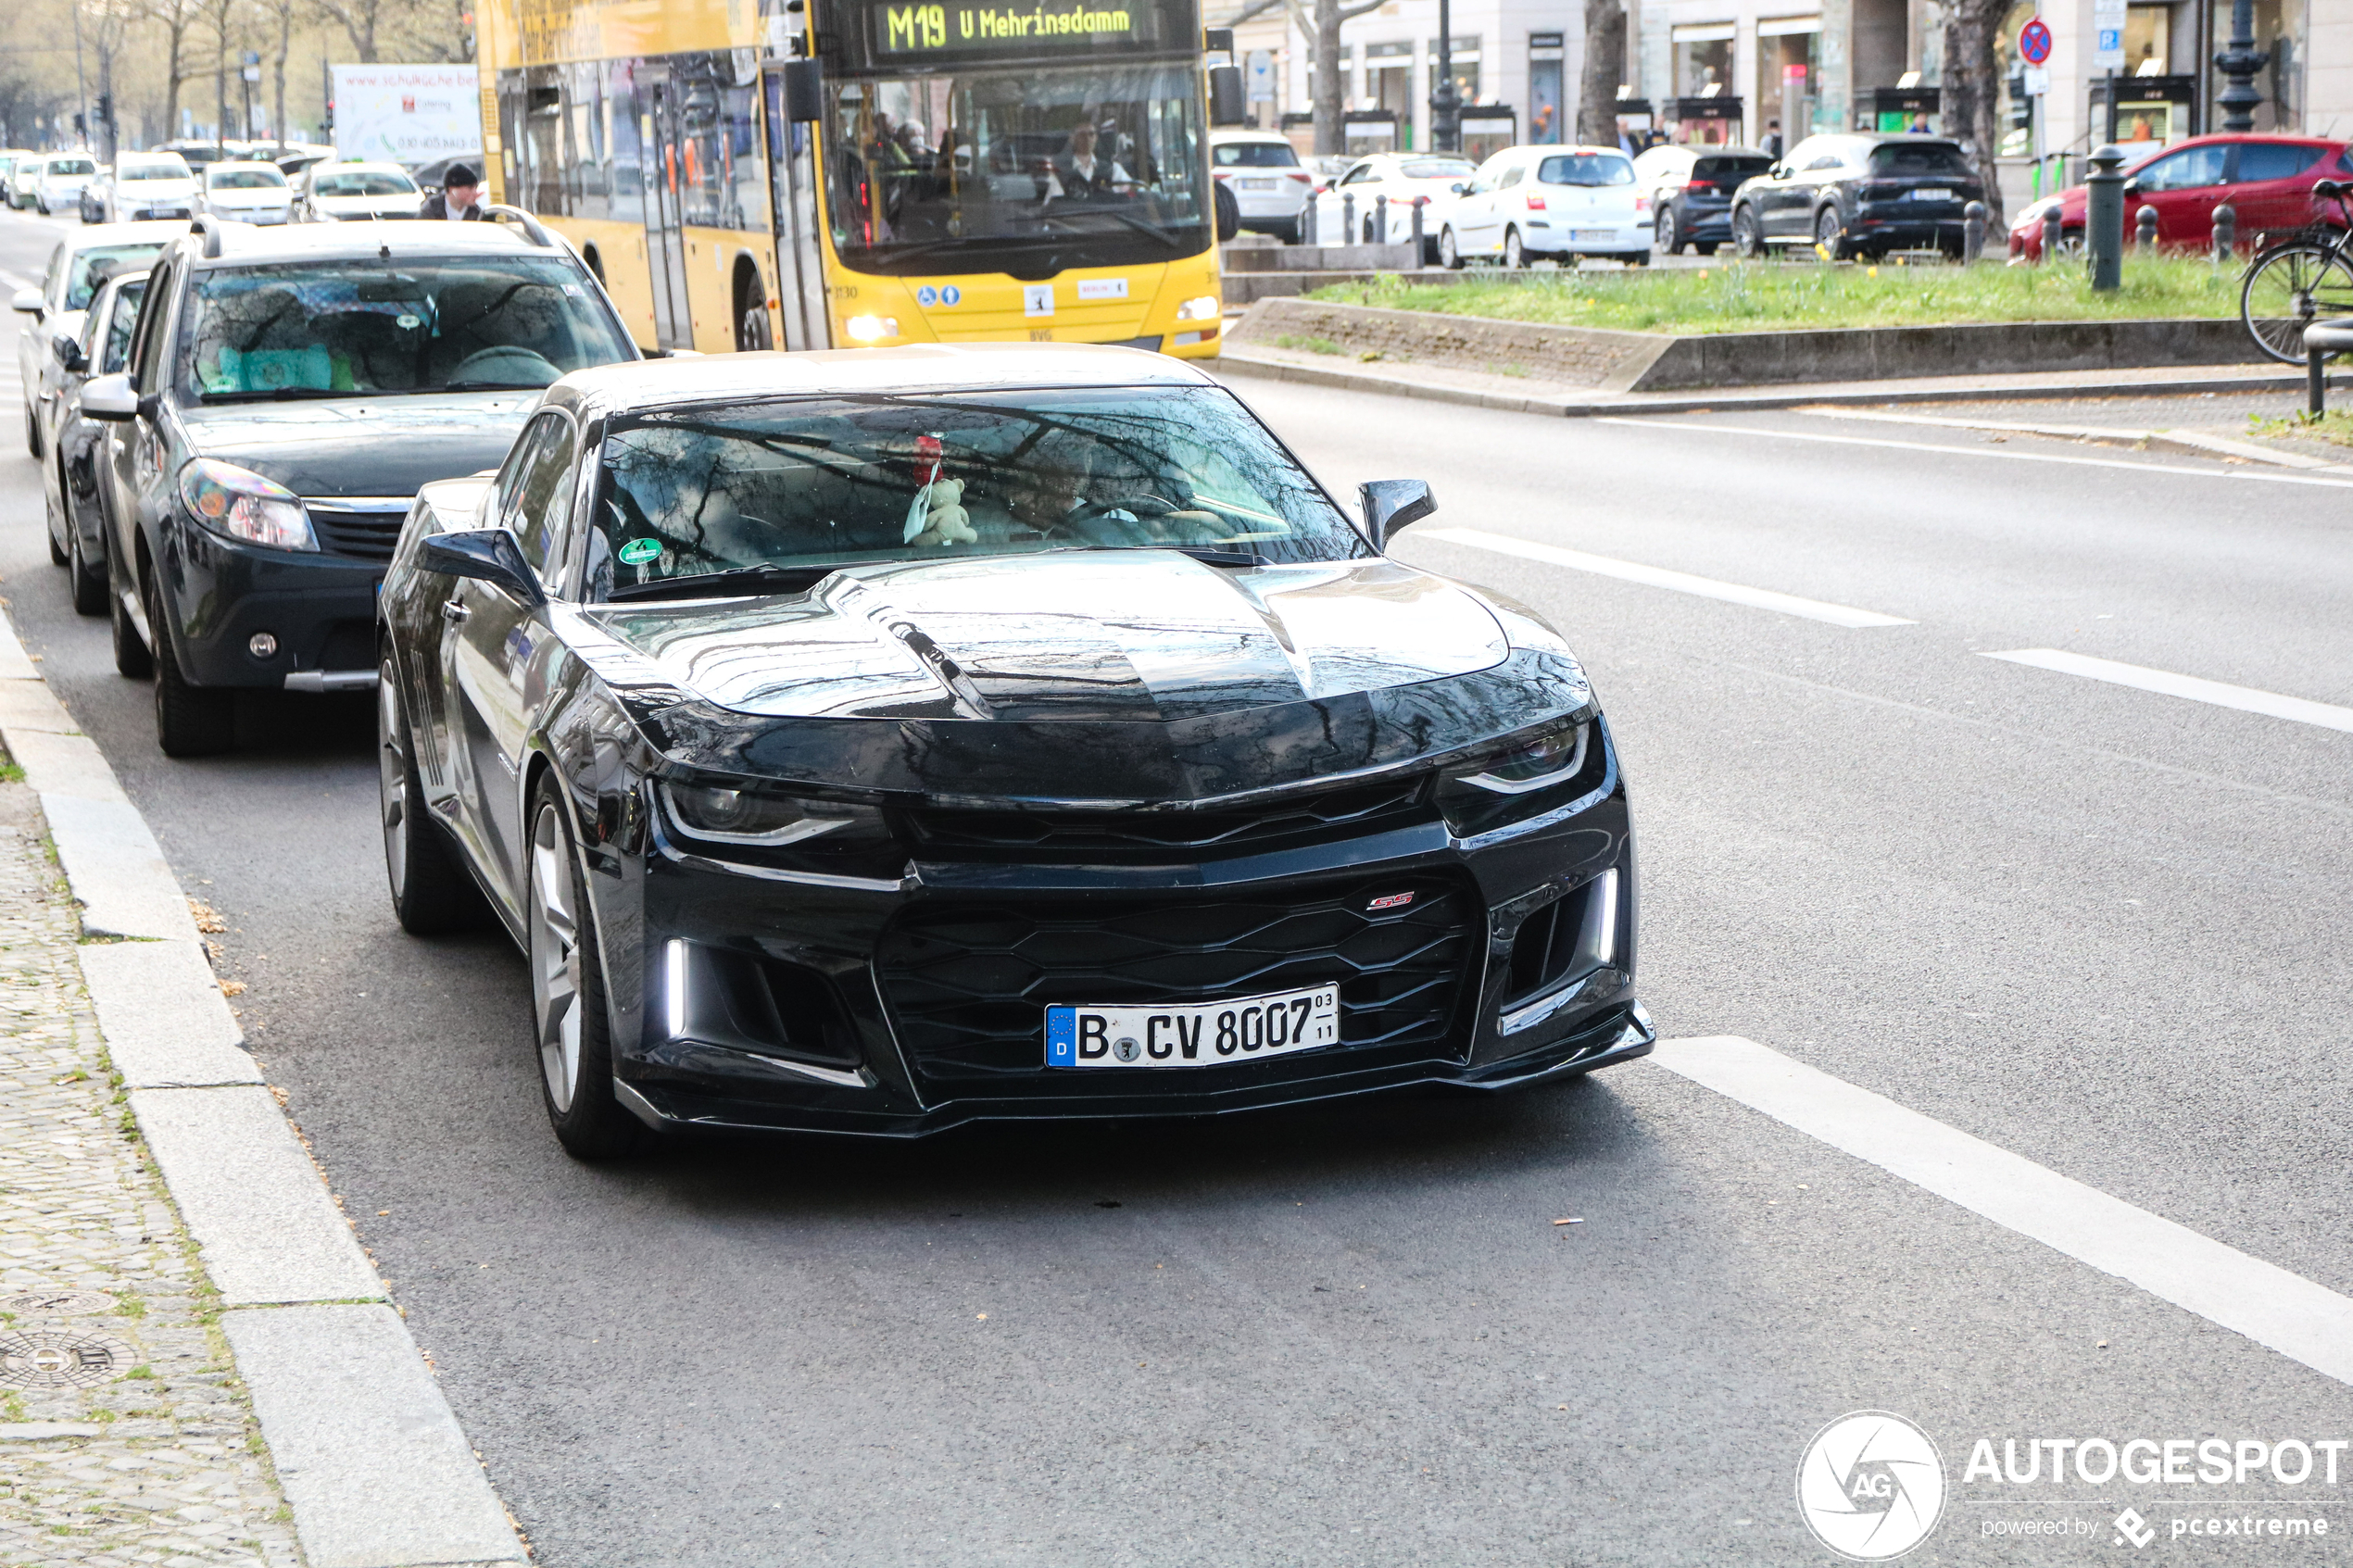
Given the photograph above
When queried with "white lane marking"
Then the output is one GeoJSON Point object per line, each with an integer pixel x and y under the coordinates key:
{"type": "Point", "coordinates": [2222, 694]}
{"type": "Point", "coordinates": [1659, 577]}
{"type": "Point", "coordinates": [1938, 421]}
{"type": "Point", "coordinates": [2004, 452]}
{"type": "Point", "coordinates": [2280, 1311]}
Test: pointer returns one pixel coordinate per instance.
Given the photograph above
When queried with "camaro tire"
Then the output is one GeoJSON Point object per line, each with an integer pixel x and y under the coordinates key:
{"type": "Point", "coordinates": [431, 892]}
{"type": "Point", "coordinates": [569, 1026]}
{"type": "Point", "coordinates": [190, 721]}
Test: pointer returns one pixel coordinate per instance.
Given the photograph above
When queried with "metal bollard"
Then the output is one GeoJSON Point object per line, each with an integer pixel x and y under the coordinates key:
{"type": "Point", "coordinates": [1972, 233]}
{"type": "Point", "coordinates": [1308, 234]}
{"type": "Point", "coordinates": [1380, 220]}
{"type": "Point", "coordinates": [1348, 236]}
{"type": "Point", "coordinates": [2144, 228]}
{"type": "Point", "coordinates": [2226, 233]}
{"type": "Point", "coordinates": [2316, 381]}
{"type": "Point", "coordinates": [2051, 233]}
{"type": "Point", "coordinates": [2104, 219]}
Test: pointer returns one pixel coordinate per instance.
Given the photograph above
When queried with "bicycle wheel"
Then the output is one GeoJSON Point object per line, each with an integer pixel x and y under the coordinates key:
{"type": "Point", "coordinates": [2286, 290]}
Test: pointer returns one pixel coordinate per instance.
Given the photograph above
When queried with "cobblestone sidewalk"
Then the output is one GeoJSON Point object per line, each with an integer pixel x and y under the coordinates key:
{"type": "Point", "coordinates": [124, 1436]}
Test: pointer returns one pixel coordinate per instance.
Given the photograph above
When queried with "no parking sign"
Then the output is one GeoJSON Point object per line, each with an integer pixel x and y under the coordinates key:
{"type": "Point", "coordinates": [2035, 42]}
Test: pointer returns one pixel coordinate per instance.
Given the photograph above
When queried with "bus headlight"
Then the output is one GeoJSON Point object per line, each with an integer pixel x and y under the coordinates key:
{"type": "Point", "coordinates": [1208, 307]}
{"type": "Point", "coordinates": [871, 329]}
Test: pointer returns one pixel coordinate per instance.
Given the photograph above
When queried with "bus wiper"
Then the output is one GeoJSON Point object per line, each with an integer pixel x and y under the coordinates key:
{"type": "Point", "coordinates": [720, 585]}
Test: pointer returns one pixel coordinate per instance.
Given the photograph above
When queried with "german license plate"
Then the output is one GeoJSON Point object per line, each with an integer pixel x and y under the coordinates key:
{"type": "Point", "coordinates": [1258, 184]}
{"type": "Point", "coordinates": [1924, 195]}
{"type": "Point", "coordinates": [1592, 236]}
{"type": "Point", "coordinates": [1194, 1037]}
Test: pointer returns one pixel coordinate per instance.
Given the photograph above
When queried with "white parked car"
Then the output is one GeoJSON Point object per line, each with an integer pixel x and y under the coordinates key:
{"type": "Point", "coordinates": [150, 185]}
{"type": "Point", "coordinates": [1533, 204]}
{"type": "Point", "coordinates": [57, 186]}
{"type": "Point", "coordinates": [332, 193]}
{"type": "Point", "coordinates": [248, 192]}
{"type": "Point", "coordinates": [1432, 178]}
{"type": "Point", "coordinates": [1267, 180]}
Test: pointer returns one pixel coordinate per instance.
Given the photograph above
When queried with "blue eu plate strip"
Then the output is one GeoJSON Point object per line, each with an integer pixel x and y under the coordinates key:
{"type": "Point", "coordinates": [1061, 1036]}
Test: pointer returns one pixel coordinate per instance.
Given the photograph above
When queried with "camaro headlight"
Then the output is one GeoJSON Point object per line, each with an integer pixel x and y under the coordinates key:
{"type": "Point", "coordinates": [245, 505]}
{"type": "Point", "coordinates": [871, 329]}
{"type": "Point", "coordinates": [1503, 788]}
{"type": "Point", "coordinates": [743, 816]}
{"type": "Point", "coordinates": [1208, 307]}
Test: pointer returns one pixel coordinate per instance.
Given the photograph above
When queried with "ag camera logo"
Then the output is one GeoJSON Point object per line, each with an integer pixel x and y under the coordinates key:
{"type": "Point", "coordinates": [1871, 1485]}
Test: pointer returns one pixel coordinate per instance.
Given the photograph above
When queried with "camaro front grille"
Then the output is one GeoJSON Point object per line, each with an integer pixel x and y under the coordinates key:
{"type": "Point", "coordinates": [359, 535]}
{"type": "Point", "coordinates": [1053, 835]}
{"type": "Point", "coordinates": [967, 982]}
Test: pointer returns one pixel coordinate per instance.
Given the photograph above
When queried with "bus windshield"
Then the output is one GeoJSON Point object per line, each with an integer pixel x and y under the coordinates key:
{"type": "Point", "coordinates": [987, 169]}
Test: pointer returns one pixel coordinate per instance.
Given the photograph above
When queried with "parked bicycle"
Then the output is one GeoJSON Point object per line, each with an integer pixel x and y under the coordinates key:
{"type": "Point", "coordinates": [2297, 282]}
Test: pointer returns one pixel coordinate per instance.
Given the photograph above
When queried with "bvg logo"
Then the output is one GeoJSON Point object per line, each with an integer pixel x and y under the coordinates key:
{"type": "Point", "coordinates": [1871, 1485]}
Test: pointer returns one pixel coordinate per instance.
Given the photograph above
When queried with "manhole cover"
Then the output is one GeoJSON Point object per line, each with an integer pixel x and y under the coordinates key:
{"type": "Point", "coordinates": [60, 1361]}
{"type": "Point", "coordinates": [57, 1303]}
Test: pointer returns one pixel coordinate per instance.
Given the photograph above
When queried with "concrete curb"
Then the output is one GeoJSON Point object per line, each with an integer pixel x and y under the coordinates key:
{"type": "Point", "coordinates": [373, 1461]}
{"type": "Point", "coordinates": [1238, 359]}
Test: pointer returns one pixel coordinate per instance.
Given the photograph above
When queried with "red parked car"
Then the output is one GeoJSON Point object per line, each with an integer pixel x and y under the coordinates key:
{"type": "Point", "coordinates": [2267, 180]}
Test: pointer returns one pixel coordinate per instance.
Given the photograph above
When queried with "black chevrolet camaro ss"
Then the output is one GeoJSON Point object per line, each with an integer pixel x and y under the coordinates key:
{"type": "Point", "coordinates": [873, 742]}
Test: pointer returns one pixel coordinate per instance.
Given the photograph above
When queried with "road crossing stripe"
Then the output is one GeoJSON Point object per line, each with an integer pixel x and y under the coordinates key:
{"type": "Point", "coordinates": [1659, 577]}
{"type": "Point", "coordinates": [2258, 476]}
{"type": "Point", "coordinates": [2278, 1310]}
{"type": "Point", "coordinates": [2247, 699]}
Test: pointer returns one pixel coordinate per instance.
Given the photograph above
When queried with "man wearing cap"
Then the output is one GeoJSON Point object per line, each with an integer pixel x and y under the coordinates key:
{"type": "Point", "coordinates": [460, 198]}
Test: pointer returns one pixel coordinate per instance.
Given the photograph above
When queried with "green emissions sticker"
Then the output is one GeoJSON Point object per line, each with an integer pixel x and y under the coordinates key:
{"type": "Point", "coordinates": [638, 552]}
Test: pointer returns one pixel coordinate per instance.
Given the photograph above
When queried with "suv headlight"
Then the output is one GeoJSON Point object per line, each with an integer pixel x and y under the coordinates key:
{"type": "Point", "coordinates": [243, 506]}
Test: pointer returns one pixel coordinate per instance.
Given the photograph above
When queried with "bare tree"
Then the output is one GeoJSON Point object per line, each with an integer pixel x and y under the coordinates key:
{"type": "Point", "coordinates": [362, 21]}
{"type": "Point", "coordinates": [1321, 28]}
{"type": "Point", "coordinates": [174, 16]}
{"type": "Point", "coordinates": [1604, 70]}
{"type": "Point", "coordinates": [1972, 91]}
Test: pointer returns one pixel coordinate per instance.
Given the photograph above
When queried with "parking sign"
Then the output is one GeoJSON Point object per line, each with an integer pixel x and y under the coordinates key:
{"type": "Point", "coordinates": [2108, 34]}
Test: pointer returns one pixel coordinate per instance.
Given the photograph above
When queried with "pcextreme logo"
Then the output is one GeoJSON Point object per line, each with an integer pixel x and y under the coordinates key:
{"type": "Point", "coordinates": [1871, 1485]}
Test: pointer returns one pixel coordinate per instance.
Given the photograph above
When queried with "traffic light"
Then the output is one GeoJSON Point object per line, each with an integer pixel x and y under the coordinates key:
{"type": "Point", "coordinates": [105, 108]}
{"type": "Point", "coordinates": [80, 123]}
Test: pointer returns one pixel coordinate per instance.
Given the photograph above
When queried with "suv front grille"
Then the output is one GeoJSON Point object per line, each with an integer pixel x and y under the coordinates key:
{"type": "Point", "coordinates": [367, 536]}
{"type": "Point", "coordinates": [967, 982]}
{"type": "Point", "coordinates": [1124, 835]}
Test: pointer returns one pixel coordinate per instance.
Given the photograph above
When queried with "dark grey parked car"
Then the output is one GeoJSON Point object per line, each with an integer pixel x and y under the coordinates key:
{"type": "Point", "coordinates": [1856, 194]}
{"type": "Point", "coordinates": [76, 445]}
{"type": "Point", "coordinates": [1692, 192]}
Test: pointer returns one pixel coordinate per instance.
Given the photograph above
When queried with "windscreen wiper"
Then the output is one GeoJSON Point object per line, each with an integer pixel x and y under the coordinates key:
{"type": "Point", "coordinates": [288, 394]}
{"type": "Point", "coordinates": [721, 584]}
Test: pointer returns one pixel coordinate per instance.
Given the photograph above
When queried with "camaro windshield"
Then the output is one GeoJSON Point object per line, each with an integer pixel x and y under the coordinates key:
{"type": "Point", "coordinates": [807, 485]}
{"type": "Point", "coordinates": [324, 328]}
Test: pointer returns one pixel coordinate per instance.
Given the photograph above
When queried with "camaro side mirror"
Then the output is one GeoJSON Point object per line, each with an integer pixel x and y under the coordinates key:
{"type": "Point", "coordinates": [488, 554]}
{"type": "Point", "coordinates": [26, 300]}
{"type": "Point", "coordinates": [110, 398]}
{"type": "Point", "coordinates": [1391, 504]}
{"type": "Point", "coordinates": [69, 354]}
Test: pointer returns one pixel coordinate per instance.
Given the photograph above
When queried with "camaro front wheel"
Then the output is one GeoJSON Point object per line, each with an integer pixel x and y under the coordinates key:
{"type": "Point", "coordinates": [568, 995]}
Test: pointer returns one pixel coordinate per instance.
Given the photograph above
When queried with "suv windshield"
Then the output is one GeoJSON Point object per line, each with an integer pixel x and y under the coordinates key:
{"type": "Point", "coordinates": [370, 182]}
{"type": "Point", "coordinates": [153, 171]}
{"type": "Point", "coordinates": [91, 267]}
{"type": "Point", "coordinates": [245, 179]}
{"type": "Point", "coordinates": [1254, 154]}
{"type": "Point", "coordinates": [1586, 168]}
{"type": "Point", "coordinates": [1013, 169]}
{"type": "Point", "coordinates": [369, 327]}
{"type": "Point", "coordinates": [803, 486]}
{"type": "Point", "coordinates": [1919, 158]}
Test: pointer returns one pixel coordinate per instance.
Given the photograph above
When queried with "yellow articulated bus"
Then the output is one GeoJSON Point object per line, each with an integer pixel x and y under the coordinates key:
{"type": "Point", "coordinates": [840, 173]}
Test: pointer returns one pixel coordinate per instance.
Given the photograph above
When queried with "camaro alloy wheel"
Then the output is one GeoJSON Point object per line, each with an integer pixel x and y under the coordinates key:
{"type": "Point", "coordinates": [430, 893]}
{"type": "Point", "coordinates": [568, 996]}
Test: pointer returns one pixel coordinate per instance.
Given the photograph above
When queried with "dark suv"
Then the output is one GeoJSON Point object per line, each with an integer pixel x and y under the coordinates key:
{"type": "Point", "coordinates": [288, 393]}
{"type": "Point", "coordinates": [1858, 195]}
{"type": "Point", "coordinates": [1691, 191]}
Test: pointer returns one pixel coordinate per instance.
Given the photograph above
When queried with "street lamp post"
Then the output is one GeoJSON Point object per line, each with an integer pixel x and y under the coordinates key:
{"type": "Point", "coordinates": [2239, 63]}
{"type": "Point", "coordinates": [80, 89]}
{"type": "Point", "coordinates": [1445, 104]}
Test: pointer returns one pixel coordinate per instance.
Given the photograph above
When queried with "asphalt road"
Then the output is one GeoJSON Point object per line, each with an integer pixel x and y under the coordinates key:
{"type": "Point", "coordinates": [2099, 928]}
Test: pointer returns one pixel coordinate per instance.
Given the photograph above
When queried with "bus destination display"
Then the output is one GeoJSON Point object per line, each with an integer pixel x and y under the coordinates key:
{"type": "Point", "coordinates": [956, 29]}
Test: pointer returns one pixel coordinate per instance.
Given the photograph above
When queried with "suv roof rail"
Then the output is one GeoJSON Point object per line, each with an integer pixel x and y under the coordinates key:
{"type": "Point", "coordinates": [205, 223]}
{"type": "Point", "coordinates": [532, 229]}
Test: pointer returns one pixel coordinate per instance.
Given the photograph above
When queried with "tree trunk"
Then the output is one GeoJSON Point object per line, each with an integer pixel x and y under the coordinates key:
{"type": "Point", "coordinates": [1972, 89]}
{"type": "Point", "coordinates": [278, 84]}
{"type": "Point", "coordinates": [1604, 70]}
{"type": "Point", "coordinates": [1329, 106]}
